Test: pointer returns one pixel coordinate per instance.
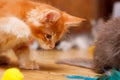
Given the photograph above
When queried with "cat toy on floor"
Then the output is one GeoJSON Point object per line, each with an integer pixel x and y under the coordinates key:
{"type": "Point", "coordinates": [91, 50]}
{"type": "Point", "coordinates": [76, 77]}
{"type": "Point", "coordinates": [12, 74]}
{"type": "Point", "coordinates": [111, 75]}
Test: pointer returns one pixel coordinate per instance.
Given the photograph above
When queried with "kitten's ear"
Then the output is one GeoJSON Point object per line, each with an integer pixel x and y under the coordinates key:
{"type": "Point", "coordinates": [51, 16]}
{"type": "Point", "coordinates": [72, 20]}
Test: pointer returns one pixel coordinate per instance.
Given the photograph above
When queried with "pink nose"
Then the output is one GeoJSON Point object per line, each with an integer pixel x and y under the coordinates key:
{"type": "Point", "coordinates": [51, 46]}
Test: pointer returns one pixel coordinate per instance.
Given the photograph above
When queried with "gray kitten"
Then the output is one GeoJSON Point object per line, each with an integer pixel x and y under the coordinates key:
{"type": "Point", "coordinates": [107, 51]}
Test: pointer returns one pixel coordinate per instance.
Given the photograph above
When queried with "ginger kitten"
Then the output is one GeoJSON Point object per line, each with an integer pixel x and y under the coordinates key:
{"type": "Point", "coordinates": [24, 20]}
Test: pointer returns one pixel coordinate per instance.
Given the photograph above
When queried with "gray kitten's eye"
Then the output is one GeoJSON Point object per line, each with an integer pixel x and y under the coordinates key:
{"type": "Point", "coordinates": [48, 36]}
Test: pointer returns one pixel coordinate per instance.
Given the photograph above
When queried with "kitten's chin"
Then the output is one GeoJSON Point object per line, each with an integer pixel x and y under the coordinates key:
{"type": "Point", "coordinates": [48, 47]}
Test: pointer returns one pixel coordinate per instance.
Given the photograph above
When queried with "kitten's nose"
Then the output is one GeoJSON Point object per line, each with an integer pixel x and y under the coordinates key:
{"type": "Point", "coordinates": [52, 46]}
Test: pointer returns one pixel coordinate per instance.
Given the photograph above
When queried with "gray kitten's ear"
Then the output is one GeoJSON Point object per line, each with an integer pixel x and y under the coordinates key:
{"type": "Point", "coordinates": [50, 16]}
{"type": "Point", "coordinates": [72, 20]}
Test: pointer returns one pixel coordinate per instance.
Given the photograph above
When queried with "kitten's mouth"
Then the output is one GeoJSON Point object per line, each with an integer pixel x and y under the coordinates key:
{"type": "Point", "coordinates": [47, 46]}
{"type": "Point", "coordinates": [51, 46]}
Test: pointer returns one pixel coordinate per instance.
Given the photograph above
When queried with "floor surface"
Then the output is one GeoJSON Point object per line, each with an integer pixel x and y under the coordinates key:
{"type": "Point", "coordinates": [51, 71]}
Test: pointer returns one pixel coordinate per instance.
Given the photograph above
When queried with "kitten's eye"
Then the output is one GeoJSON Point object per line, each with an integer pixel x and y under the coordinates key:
{"type": "Point", "coordinates": [48, 36]}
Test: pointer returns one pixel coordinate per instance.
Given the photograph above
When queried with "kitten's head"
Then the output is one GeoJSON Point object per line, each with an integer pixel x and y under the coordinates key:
{"type": "Point", "coordinates": [49, 25]}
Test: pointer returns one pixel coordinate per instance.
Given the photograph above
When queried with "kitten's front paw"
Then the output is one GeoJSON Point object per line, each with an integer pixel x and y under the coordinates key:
{"type": "Point", "coordinates": [32, 65]}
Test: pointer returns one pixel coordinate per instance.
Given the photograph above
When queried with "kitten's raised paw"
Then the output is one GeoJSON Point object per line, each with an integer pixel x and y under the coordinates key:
{"type": "Point", "coordinates": [32, 65]}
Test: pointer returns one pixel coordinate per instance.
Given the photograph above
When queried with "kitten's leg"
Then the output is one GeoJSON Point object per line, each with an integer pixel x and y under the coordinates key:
{"type": "Point", "coordinates": [23, 53]}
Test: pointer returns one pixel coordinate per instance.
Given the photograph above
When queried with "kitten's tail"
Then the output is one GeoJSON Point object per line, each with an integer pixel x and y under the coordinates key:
{"type": "Point", "coordinates": [87, 63]}
{"type": "Point", "coordinates": [5, 61]}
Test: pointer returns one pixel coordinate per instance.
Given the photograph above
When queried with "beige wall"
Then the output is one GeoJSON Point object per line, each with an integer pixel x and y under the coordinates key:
{"type": "Point", "coordinates": [81, 8]}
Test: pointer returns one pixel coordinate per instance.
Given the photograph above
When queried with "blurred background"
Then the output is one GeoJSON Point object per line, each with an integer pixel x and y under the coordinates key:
{"type": "Point", "coordinates": [94, 11]}
{"type": "Point", "coordinates": [89, 9]}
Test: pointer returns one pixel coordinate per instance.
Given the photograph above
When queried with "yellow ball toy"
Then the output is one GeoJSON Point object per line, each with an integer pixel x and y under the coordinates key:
{"type": "Point", "coordinates": [12, 74]}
